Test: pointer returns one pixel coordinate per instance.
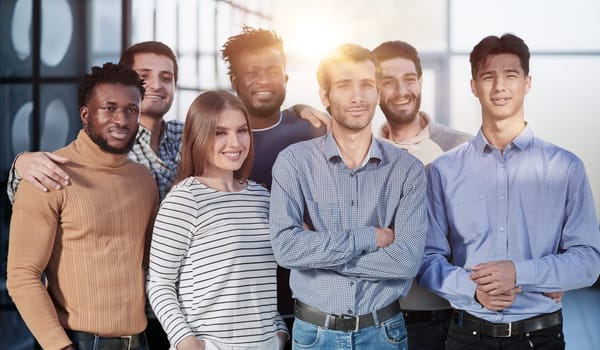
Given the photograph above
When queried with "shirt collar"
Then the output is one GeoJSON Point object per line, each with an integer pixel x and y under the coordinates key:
{"type": "Point", "coordinates": [521, 142]}
{"type": "Point", "coordinates": [332, 152]}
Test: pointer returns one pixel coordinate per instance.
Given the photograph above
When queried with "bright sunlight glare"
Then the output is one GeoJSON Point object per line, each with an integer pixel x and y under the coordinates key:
{"type": "Point", "coordinates": [311, 38]}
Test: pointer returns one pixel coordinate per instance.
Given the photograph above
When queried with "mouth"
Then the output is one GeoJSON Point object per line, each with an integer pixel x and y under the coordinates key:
{"type": "Point", "coordinates": [500, 101]}
{"type": "Point", "coordinates": [119, 133]}
{"type": "Point", "coordinates": [151, 97]}
{"type": "Point", "coordinates": [264, 93]}
{"type": "Point", "coordinates": [233, 156]}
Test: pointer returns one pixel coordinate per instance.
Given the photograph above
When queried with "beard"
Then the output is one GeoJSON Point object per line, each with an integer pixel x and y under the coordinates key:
{"type": "Point", "coordinates": [402, 117]}
{"type": "Point", "coordinates": [265, 109]}
{"type": "Point", "coordinates": [102, 142]}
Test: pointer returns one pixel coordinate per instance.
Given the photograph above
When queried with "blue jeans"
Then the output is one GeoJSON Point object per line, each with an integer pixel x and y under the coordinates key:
{"type": "Point", "coordinates": [390, 334]}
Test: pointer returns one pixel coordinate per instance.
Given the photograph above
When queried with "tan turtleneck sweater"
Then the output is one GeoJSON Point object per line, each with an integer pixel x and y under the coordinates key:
{"type": "Point", "coordinates": [89, 239]}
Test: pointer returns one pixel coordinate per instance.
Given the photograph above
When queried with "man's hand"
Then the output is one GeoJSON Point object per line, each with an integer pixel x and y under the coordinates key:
{"type": "Point", "coordinates": [496, 302]}
{"type": "Point", "coordinates": [41, 170]}
{"type": "Point", "coordinates": [313, 116]}
{"type": "Point", "coordinates": [190, 343]}
{"type": "Point", "coordinates": [495, 277]}
{"type": "Point", "coordinates": [556, 296]}
{"type": "Point", "coordinates": [385, 237]}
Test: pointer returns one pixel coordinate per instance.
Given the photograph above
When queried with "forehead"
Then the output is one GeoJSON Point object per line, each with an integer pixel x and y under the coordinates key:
{"type": "Point", "coordinates": [231, 118]}
{"type": "Point", "coordinates": [398, 65]}
{"type": "Point", "coordinates": [265, 57]}
{"type": "Point", "coordinates": [153, 62]}
{"type": "Point", "coordinates": [116, 93]}
{"type": "Point", "coordinates": [347, 70]}
{"type": "Point", "coordinates": [502, 62]}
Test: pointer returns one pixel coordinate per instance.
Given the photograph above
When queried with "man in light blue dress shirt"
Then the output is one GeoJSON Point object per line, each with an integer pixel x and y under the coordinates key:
{"type": "Point", "coordinates": [511, 218]}
{"type": "Point", "coordinates": [348, 217]}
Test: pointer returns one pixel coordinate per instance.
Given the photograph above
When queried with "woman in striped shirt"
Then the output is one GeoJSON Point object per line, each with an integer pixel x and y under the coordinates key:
{"type": "Point", "coordinates": [212, 275]}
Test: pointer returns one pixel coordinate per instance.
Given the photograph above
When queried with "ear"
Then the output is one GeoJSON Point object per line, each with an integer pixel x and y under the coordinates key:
{"type": "Point", "coordinates": [84, 114]}
{"type": "Point", "coordinates": [473, 88]}
{"type": "Point", "coordinates": [286, 78]}
{"type": "Point", "coordinates": [527, 84]}
{"type": "Point", "coordinates": [324, 94]}
{"type": "Point", "coordinates": [234, 82]}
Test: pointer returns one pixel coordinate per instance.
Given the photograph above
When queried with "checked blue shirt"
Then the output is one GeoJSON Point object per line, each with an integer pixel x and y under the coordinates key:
{"type": "Point", "coordinates": [336, 265]}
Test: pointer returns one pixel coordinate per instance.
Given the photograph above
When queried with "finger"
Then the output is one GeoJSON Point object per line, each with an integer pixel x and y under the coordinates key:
{"type": "Point", "coordinates": [36, 184]}
{"type": "Point", "coordinates": [56, 158]}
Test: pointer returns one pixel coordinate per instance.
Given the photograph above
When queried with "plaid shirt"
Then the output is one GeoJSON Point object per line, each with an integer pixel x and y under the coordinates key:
{"type": "Point", "coordinates": [162, 165]}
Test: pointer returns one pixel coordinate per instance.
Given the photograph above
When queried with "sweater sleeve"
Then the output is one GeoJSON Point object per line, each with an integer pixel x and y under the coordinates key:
{"type": "Point", "coordinates": [171, 239]}
{"type": "Point", "coordinates": [32, 234]}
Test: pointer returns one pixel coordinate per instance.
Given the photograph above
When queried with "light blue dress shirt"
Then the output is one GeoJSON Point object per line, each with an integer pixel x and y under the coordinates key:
{"type": "Point", "coordinates": [335, 264]}
{"type": "Point", "coordinates": [531, 204]}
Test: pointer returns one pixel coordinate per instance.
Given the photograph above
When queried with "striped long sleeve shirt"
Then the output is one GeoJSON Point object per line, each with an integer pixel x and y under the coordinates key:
{"type": "Point", "coordinates": [212, 272]}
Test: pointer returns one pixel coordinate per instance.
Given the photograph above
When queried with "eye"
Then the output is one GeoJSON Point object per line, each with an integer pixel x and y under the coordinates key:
{"type": "Point", "coordinates": [132, 110]}
{"type": "Point", "coordinates": [252, 74]}
{"type": "Point", "coordinates": [220, 133]}
{"type": "Point", "coordinates": [387, 82]}
{"type": "Point", "coordinates": [243, 131]}
{"type": "Point", "coordinates": [167, 78]}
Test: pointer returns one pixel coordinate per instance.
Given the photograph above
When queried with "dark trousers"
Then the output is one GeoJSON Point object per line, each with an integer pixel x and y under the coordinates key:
{"type": "Point", "coordinates": [460, 338]}
{"type": "Point", "coordinates": [430, 335]}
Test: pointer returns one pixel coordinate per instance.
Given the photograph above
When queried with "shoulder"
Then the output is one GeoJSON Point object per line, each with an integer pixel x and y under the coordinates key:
{"type": "Point", "coordinates": [298, 126]}
{"type": "Point", "coordinates": [393, 153]}
{"type": "Point", "coordinates": [447, 137]}
{"type": "Point", "coordinates": [455, 156]}
{"type": "Point", "coordinates": [553, 153]}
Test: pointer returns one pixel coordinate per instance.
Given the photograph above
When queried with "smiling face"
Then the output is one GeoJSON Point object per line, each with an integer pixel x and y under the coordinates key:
{"type": "Point", "coordinates": [259, 80]}
{"type": "Point", "coordinates": [400, 90]}
{"type": "Point", "coordinates": [110, 117]}
{"type": "Point", "coordinates": [352, 95]}
{"type": "Point", "coordinates": [501, 86]}
{"type": "Point", "coordinates": [157, 71]}
{"type": "Point", "coordinates": [231, 145]}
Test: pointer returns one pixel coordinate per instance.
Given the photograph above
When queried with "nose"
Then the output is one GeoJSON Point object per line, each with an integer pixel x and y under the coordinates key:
{"type": "Point", "coordinates": [152, 82]}
{"type": "Point", "coordinates": [122, 116]}
{"type": "Point", "coordinates": [263, 77]}
{"type": "Point", "coordinates": [499, 83]}
{"type": "Point", "coordinates": [357, 94]}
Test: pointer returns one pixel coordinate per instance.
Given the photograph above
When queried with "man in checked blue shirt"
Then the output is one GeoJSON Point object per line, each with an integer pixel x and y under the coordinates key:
{"type": "Point", "coordinates": [511, 218]}
{"type": "Point", "coordinates": [348, 217]}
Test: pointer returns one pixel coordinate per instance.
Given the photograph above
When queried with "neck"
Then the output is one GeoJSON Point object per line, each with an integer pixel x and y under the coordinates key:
{"type": "Point", "coordinates": [404, 132]}
{"type": "Point", "coordinates": [225, 183]}
{"type": "Point", "coordinates": [353, 146]}
{"type": "Point", "coordinates": [155, 126]}
{"type": "Point", "coordinates": [499, 133]}
{"type": "Point", "coordinates": [264, 121]}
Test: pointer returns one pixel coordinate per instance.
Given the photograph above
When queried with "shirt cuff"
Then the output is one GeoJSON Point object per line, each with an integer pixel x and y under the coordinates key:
{"type": "Point", "coordinates": [365, 240]}
{"type": "Point", "coordinates": [525, 272]}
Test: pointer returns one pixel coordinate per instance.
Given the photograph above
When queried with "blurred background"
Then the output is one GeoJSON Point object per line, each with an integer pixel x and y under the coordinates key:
{"type": "Point", "coordinates": [47, 45]}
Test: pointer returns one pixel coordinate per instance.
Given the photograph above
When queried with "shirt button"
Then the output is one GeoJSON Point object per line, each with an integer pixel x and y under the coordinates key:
{"type": "Point", "coordinates": [501, 229]}
{"type": "Point", "coordinates": [349, 311]}
{"type": "Point", "coordinates": [352, 283]}
{"type": "Point", "coordinates": [502, 197]}
{"type": "Point", "coordinates": [351, 174]}
{"type": "Point", "coordinates": [352, 202]}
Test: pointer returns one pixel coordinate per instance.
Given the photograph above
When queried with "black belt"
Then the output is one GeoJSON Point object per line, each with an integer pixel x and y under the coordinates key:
{"type": "Point", "coordinates": [125, 342]}
{"type": "Point", "coordinates": [505, 330]}
{"type": "Point", "coordinates": [414, 316]}
{"type": "Point", "coordinates": [352, 323]}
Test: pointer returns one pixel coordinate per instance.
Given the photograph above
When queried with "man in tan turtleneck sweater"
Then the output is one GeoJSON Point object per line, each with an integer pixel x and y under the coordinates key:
{"type": "Point", "coordinates": [88, 239]}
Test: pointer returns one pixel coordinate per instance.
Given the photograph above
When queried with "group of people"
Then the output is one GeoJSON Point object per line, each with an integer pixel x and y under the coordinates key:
{"type": "Point", "coordinates": [423, 237]}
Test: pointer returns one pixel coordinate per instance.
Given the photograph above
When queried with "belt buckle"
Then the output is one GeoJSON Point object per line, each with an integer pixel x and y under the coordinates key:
{"type": "Point", "coordinates": [128, 337]}
{"type": "Point", "coordinates": [509, 331]}
{"type": "Point", "coordinates": [355, 317]}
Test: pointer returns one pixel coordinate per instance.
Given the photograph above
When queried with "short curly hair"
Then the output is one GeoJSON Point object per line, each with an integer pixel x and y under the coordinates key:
{"type": "Point", "coordinates": [249, 40]}
{"type": "Point", "coordinates": [109, 73]}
